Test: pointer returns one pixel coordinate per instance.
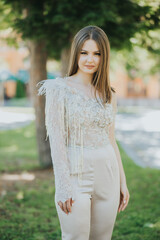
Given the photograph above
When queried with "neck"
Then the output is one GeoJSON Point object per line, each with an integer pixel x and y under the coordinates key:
{"type": "Point", "coordinates": [83, 78]}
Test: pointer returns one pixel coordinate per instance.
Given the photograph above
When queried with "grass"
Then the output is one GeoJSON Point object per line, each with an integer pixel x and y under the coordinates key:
{"type": "Point", "coordinates": [141, 218]}
{"type": "Point", "coordinates": [18, 149]}
{"type": "Point", "coordinates": [27, 210]}
{"type": "Point", "coordinates": [19, 102]}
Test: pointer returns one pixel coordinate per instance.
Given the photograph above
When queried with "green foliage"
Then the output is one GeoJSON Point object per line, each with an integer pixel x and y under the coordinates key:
{"type": "Point", "coordinates": [28, 210]}
{"type": "Point", "coordinates": [57, 21]}
{"type": "Point", "coordinates": [20, 90]}
{"type": "Point", "coordinates": [7, 17]}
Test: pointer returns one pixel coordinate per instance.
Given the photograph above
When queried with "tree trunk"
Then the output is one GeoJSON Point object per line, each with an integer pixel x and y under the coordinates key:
{"type": "Point", "coordinates": [38, 72]}
{"type": "Point", "coordinates": [65, 55]}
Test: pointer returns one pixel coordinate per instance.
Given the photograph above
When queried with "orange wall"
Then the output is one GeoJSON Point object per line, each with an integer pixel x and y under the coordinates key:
{"type": "Point", "coordinates": [120, 83]}
{"type": "Point", "coordinates": [10, 88]}
{"type": "Point", "coordinates": [153, 87]}
{"type": "Point", "coordinates": [14, 58]}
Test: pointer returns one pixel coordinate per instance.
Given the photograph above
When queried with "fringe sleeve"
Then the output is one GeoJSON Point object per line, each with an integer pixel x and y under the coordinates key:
{"type": "Point", "coordinates": [55, 126]}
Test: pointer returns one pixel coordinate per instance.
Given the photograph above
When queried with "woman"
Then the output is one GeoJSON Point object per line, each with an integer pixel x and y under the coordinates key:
{"type": "Point", "coordinates": [80, 121]}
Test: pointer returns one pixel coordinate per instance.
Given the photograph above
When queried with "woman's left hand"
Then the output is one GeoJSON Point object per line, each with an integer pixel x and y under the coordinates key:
{"type": "Point", "coordinates": [124, 197]}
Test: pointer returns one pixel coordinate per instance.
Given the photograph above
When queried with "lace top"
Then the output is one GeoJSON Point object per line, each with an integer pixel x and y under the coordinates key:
{"type": "Point", "coordinates": [73, 120]}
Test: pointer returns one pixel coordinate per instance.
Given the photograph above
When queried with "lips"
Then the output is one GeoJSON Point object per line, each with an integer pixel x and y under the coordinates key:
{"type": "Point", "coordinates": [89, 66]}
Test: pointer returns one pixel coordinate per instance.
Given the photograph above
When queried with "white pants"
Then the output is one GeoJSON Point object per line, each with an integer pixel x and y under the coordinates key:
{"type": "Point", "coordinates": [94, 211]}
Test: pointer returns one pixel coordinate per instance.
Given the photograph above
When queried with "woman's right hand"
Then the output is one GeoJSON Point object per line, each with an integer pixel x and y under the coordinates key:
{"type": "Point", "coordinates": [66, 206]}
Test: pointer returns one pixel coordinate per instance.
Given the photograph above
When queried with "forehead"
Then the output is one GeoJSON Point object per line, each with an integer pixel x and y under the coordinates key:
{"type": "Point", "coordinates": [90, 45]}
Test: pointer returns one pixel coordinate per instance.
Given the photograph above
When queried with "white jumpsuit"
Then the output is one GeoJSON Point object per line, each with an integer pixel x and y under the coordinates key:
{"type": "Point", "coordinates": [84, 161]}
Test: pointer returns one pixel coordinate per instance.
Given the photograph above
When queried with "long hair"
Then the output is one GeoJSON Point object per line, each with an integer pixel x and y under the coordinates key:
{"type": "Point", "coordinates": [100, 80]}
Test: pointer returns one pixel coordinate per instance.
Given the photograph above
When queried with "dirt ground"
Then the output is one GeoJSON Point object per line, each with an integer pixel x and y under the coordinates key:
{"type": "Point", "coordinates": [9, 181]}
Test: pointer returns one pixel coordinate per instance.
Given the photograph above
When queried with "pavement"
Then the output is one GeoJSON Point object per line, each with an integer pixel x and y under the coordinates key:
{"type": "Point", "coordinates": [139, 135]}
{"type": "Point", "coordinates": [137, 129]}
{"type": "Point", "coordinates": [15, 117]}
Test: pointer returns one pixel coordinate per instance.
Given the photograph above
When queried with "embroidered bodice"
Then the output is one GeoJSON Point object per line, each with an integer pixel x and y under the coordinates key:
{"type": "Point", "coordinates": [73, 120]}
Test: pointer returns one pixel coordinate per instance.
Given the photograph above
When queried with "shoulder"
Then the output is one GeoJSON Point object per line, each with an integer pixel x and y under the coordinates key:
{"type": "Point", "coordinates": [51, 86]}
{"type": "Point", "coordinates": [48, 84]}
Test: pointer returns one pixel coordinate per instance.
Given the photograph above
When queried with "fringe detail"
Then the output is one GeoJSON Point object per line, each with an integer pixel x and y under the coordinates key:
{"type": "Point", "coordinates": [80, 159]}
{"type": "Point", "coordinates": [42, 89]}
{"type": "Point", "coordinates": [50, 90]}
{"type": "Point", "coordinates": [47, 89]}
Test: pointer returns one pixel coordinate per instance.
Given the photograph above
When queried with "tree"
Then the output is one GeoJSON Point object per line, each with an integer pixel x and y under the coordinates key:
{"type": "Point", "coordinates": [49, 26]}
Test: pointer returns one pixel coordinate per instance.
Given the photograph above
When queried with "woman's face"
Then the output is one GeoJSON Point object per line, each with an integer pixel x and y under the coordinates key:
{"type": "Point", "coordinates": [89, 58]}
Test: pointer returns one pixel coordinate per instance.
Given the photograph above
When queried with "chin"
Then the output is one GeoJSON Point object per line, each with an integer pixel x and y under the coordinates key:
{"type": "Point", "coordinates": [91, 71]}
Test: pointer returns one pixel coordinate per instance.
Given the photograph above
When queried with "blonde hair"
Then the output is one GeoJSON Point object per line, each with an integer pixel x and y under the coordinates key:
{"type": "Point", "coordinates": [100, 80]}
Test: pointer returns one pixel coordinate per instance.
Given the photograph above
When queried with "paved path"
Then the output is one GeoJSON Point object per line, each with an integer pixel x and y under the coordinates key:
{"type": "Point", "coordinates": [139, 135]}
{"type": "Point", "coordinates": [11, 118]}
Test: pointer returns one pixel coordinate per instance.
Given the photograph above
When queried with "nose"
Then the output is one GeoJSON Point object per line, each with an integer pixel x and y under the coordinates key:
{"type": "Point", "coordinates": [90, 58]}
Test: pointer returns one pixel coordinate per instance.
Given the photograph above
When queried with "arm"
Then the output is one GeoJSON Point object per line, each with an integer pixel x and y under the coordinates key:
{"type": "Point", "coordinates": [55, 126]}
{"type": "Point", "coordinates": [124, 193]}
{"type": "Point", "coordinates": [113, 141]}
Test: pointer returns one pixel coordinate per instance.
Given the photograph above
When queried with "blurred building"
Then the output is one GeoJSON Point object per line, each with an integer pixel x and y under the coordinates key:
{"type": "Point", "coordinates": [11, 61]}
{"type": "Point", "coordinates": [18, 59]}
{"type": "Point", "coordinates": [136, 88]}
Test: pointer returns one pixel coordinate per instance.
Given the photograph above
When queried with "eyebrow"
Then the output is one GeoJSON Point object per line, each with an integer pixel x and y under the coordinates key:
{"type": "Point", "coordinates": [87, 51]}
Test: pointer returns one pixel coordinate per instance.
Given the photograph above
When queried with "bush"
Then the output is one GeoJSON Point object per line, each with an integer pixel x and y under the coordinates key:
{"type": "Point", "coordinates": [20, 90]}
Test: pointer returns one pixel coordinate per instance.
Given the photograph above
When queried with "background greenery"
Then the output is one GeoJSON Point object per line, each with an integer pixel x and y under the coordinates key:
{"type": "Point", "coordinates": [27, 207]}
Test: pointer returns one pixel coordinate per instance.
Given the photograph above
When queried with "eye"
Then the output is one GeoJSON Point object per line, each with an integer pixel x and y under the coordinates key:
{"type": "Point", "coordinates": [98, 54]}
{"type": "Point", "coordinates": [83, 52]}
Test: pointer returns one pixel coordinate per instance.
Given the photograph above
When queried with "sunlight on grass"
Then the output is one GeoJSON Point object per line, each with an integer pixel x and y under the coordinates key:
{"type": "Point", "coordinates": [12, 148]}
{"type": "Point", "coordinates": [152, 225]}
{"type": "Point", "coordinates": [18, 177]}
{"type": "Point", "coordinates": [20, 195]}
{"type": "Point", "coordinates": [28, 134]}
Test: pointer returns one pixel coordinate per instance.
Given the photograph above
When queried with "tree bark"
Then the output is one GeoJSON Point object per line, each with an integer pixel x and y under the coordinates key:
{"type": "Point", "coordinates": [38, 72]}
{"type": "Point", "coordinates": [65, 56]}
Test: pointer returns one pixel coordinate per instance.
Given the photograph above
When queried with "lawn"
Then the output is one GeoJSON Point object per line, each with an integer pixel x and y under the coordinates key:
{"type": "Point", "coordinates": [27, 210]}
{"type": "Point", "coordinates": [18, 149]}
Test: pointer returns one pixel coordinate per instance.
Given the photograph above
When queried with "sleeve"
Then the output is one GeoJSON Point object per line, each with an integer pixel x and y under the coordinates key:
{"type": "Point", "coordinates": [55, 126]}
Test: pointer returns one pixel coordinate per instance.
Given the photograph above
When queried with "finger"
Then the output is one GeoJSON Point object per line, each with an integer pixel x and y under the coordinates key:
{"type": "Point", "coordinates": [125, 205]}
{"type": "Point", "coordinates": [61, 205]}
{"type": "Point", "coordinates": [68, 206]}
{"type": "Point", "coordinates": [65, 208]}
{"type": "Point", "coordinates": [122, 204]}
{"type": "Point", "coordinates": [72, 201]}
{"type": "Point", "coordinates": [121, 207]}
